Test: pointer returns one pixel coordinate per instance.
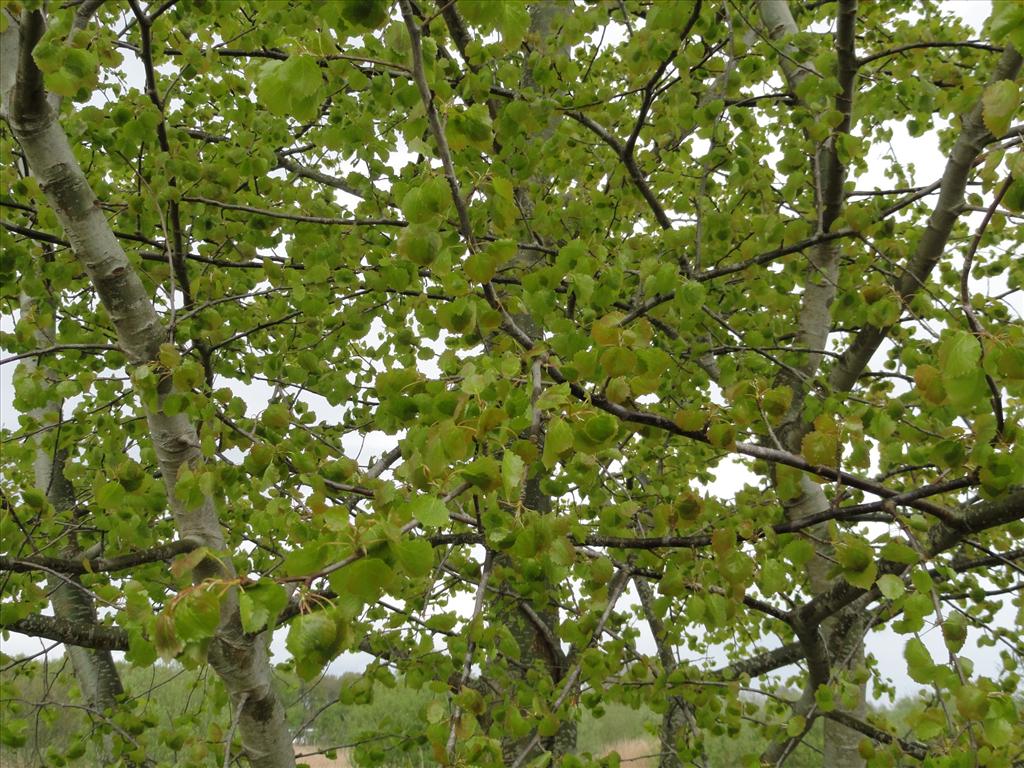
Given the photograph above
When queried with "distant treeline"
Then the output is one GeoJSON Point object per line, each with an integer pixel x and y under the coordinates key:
{"type": "Point", "coordinates": [377, 721]}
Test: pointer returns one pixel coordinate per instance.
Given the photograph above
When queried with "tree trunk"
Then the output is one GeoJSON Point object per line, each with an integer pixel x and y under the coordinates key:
{"type": "Point", "coordinates": [532, 623]}
{"type": "Point", "coordinates": [239, 659]}
{"type": "Point", "coordinates": [678, 723]}
{"type": "Point", "coordinates": [845, 651]}
{"type": "Point", "coordinates": [94, 669]}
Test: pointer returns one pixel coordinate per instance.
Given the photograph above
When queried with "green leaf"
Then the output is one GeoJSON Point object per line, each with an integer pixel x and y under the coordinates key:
{"type": "Point", "coordinates": [366, 579]}
{"type": "Point", "coordinates": [854, 553]}
{"type": "Point", "coordinates": [480, 267]}
{"type": "Point", "coordinates": [429, 510]}
{"type": "Point", "coordinates": [796, 725]}
{"type": "Point", "coordinates": [1007, 21]}
{"type": "Point", "coordinates": [966, 391]}
{"type": "Point", "coordinates": [915, 608]}
{"type": "Point", "coordinates": [928, 379]}
{"type": "Point", "coordinates": [13, 732]}
{"type": "Point", "coordinates": [689, 298]}
{"type": "Point", "coordinates": [899, 553]}
{"type": "Point", "coordinates": [291, 87]}
{"type": "Point", "coordinates": [618, 361]}
{"type": "Point", "coordinates": [313, 640]}
{"type": "Point", "coordinates": [601, 427]}
{"type": "Point", "coordinates": [954, 631]}
{"type": "Point", "coordinates": [959, 354]}
{"type": "Point", "coordinates": [277, 416]}
{"type": "Point", "coordinates": [929, 724]}
{"type": "Point", "coordinates": [1000, 102]}
{"type": "Point", "coordinates": [972, 702]}
{"type": "Point", "coordinates": [165, 638]}
{"type": "Point", "coordinates": [892, 587]}
{"type": "Point", "coordinates": [776, 401]}
{"type": "Point", "coordinates": [1013, 200]}
{"type": "Point", "coordinates": [722, 435]}
{"type": "Point", "coordinates": [367, 14]}
{"type": "Point", "coordinates": [920, 666]}
{"type": "Point", "coordinates": [557, 441]}
{"type": "Point", "coordinates": [799, 552]}
{"type": "Point", "coordinates": [36, 499]}
{"type": "Point", "coordinates": [825, 698]}
{"type": "Point", "coordinates": [261, 603]}
{"type": "Point", "coordinates": [513, 470]}
{"type": "Point", "coordinates": [470, 128]}
{"type": "Point", "coordinates": [420, 244]}
{"type": "Point", "coordinates": [416, 557]}
{"type": "Point", "coordinates": [110, 496]}
{"type": "Point", "coordinates": [484, 473]}
{"type": "Point", "coordinates": [998, 731]}
{"type": "Point", "coordinates": [197, 615]}
{"type": "Point", "coordinates": [306, 560]}
{"type": "Point", "coordinates": [773, 577]}
{"type": "Point", "coordinates": [820, 448]}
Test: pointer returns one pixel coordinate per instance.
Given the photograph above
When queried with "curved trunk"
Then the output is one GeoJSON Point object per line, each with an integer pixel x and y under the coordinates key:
{"type": "Point", "coordinates": [240, 660]}
{"type": "Point", "coordinates": [94, 669]}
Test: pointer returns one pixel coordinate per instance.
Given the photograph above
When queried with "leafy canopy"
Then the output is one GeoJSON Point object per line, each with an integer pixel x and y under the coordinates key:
{"type": "Point", "coordinates": [594, 251]}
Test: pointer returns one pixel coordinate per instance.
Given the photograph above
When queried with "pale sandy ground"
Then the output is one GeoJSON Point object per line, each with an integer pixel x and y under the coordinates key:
{"type": "Point", "coordinates": [635, 753]}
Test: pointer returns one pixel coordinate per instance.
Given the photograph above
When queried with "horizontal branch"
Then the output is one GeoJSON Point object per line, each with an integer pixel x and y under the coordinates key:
{"type": "Point", "coordinates": [84, 635]}
{"type": "Point", "coordinates": [977, 517]}
{"type": "Point", "coordinates": [998, 558]}
{"type": "Point", "coordinates": [855, 512]}
{"type": "Point", "coordinates": [283, 161]}
{"type": "Point", "coordinates": [302, 218]}
{"type": "Point", "coordinates": [762, 664]}
{"type": "Point", "coordinates": [912, 748]}
{"type": "Point", "coordinates": [60, 348]}
{"type": "Point", "coordinates": [975, 44]}
{"type": "Point", "coordinates": [84, 566]}
{"type": "Point", "coordinates": [46, 237]}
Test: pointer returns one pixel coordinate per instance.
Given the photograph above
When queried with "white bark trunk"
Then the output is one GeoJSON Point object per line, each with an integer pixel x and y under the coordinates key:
{"type": "Point", "coordinates": [239, 659]}
{"type": "Point", "coordinates": [813, 325]}
{"type": "Point", "coordinates": [94, 669]}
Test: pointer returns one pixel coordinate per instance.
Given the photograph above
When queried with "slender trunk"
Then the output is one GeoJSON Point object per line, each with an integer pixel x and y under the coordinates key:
{"type": "Point", "coordinates": [532, 623]}
{"type": "Point", "coordinates": [845, 644]}
{"type": "Point", "coordinates": [678, 724]}
{"type": "Point", "coordinates": [95, 671]}
{"type": "Point", "coordinates": [843, 634]}
{"type": "Point", "coordinates": [240, 660]}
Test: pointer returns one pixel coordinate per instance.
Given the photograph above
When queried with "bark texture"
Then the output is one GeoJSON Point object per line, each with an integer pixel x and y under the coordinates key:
{"type": "Point", "coordinates": [94, 668]}
{"type": "Point", "coordinates": [240, 660]}
{"type": "Point", "coordinates": [678, 723]}
{"type": "Point", "coordinates": [843, 635]}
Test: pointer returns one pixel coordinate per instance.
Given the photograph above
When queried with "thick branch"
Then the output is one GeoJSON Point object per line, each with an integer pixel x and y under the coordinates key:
{"type": "Point", "coordinates": [975, 518]}
{"type": "Point", "coordinates": [70, 632]}
{"type": "Point", "coordinates": [239, 659]}
{"type": "Point", "coordinates": [913, 748]}
{"type": "Point", "coordinates": [974, 136]}
{"type": "Point", "coordinates": [99, 564]}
